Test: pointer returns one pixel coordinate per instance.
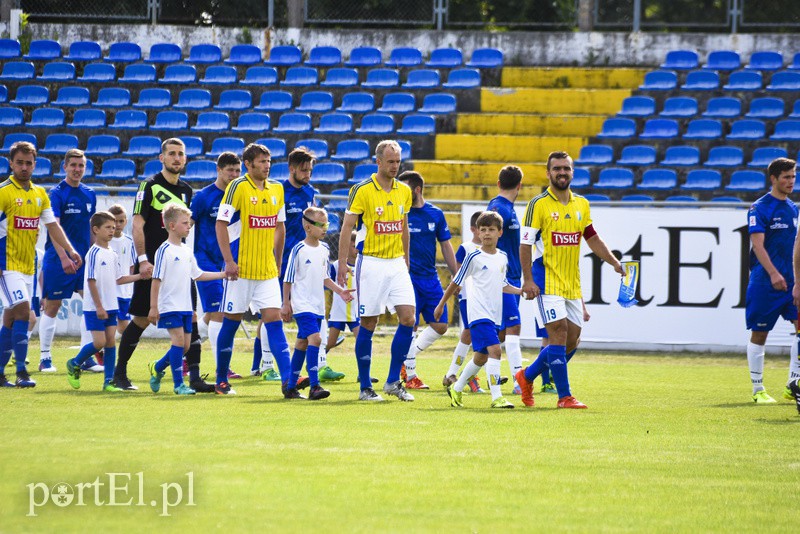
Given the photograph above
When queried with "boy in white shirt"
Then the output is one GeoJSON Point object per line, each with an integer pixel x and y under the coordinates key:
{"type": "Point", "coordinates": [304, 298]}
{"type": "Point", "coordinates": [101, 277]}
{"type": "Point", "coordinates": [122, 244]}
{"type": "Point", "coordinates": [171, 295]}
{"type": "Point", "coordinates": [486, 267]}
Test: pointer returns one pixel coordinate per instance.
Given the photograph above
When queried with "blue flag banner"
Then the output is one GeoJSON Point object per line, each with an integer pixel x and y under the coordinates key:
{"type": "Point", "coordinates": [627, 285]}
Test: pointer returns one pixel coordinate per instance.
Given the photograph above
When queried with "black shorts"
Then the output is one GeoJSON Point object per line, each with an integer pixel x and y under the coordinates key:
{"type": "Point", "coordinates": [140, 301]}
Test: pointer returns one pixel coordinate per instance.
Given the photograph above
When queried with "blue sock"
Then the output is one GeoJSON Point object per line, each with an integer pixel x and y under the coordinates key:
{"type": "Point", "coordinates": [538, 367]}
{"type": "Point", "coordinates": [19, 336]}
{"type": "Point", "coordinates": [280, 349]}
{"type": "Point", "coordinates": [256, 354]}
{"type": "Point", "coordinates": [313, 365]}
{"type": "Point", "coordinates": [298, 359]}
{"type": "Point", "coordinates": [557, 358]}
{"type": "Point", "coordinates": [225, 348]}
{"type": "Point", "coordinates": [364, 356]}
{"type": "Point", "coordinates": [5, 347]}
{"type": "Point", "coordinates": [164, 362]}
{"type": "Point", "coordinates": [109, 362]}
{"type": "Point", "coordinates": [86, 352]}
{"type": "Point", "coordinates": [400, 345]}
{"type": "Point", "coordinates": [175, 356]}
{"type": "Point", "coordinates": [571, 354]}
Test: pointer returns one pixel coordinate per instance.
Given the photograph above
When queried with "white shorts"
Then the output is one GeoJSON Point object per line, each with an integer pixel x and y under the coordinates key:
{"type": "Point", "coordinates": [551, 308]}
{"type": "Point", "coordinates": [15, 287]}
{"type": "Point", "coordinates": [382, 284]}
{"type": "Point", "coordinates": [239, 294]}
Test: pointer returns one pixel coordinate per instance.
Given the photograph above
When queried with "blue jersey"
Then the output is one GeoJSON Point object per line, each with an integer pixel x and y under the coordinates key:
{"type": "Point", "coordinates": [777, 220]}
{"type": "Point", "coordinates": [74, 206]}
{"type": "Point", "coordinates": [205, 206]}
{"type": "Point", "coordinates": [509, 241]}
{"type": "Point", "coordinates": [426, 227]}
{"type": "Point", "coordinates": [296, 200]}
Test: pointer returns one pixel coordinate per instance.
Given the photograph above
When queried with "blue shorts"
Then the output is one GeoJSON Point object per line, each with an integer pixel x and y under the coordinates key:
{"type": "Point", "coordinates": [176, 320]}
{"type": "Point", "coordinates": [511, 307]}
{"type": "Point", "coordinates": [307, 324]}
{"type": "Point", "coordinates": [484, 335]}
{"type": "Point", "coordinates": [341, 325]}
{"type": "Point", "coordinates": [93, 324]}
{"type": "Point", "coordinates": [462, 307]}
{"type": "Point", "coordinates": [210, 295]}
{"type": "Point", "coordinates": [427, 294]}
{"type": "Point", "coordinates": [541, 332]}
{"type": "Point", "coordinates": [58, 285]}
{"type": "Point", "coordinates": [124, 309]}
{"type": "Point", "coordinates": [763, 306]}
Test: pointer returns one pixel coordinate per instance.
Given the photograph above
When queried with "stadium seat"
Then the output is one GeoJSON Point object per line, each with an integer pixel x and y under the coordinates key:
{"type": "Point", "coordinates": [143, 146]}
{"type": "Point", "coordinates": [318, 147]}
{"type": "Point", "coordinates": [57, 71]}
{"type": "Point", "coordinates": [637, 198]}
{"type": "Point", "coordinates": [361, 172]}
{"type": "Point", "coordinates": [438, 104]}
{"type": "Point", "coordinates": [152, 98]}
{"type": "Point", "coordinates": [98, 73]}
{"type": "Point", "coordinates": [58, 144]}
{"type": "Point", "coordinates": [405, 150]}
{"type": "Point", "coordinates": [84, 51]}
{"type": "Point", "coordinates": [784, 81]}
{"type": "Point", "coordinates": [87, 173]}
{"type": "Point", "coordinates": [726, 60]}
{"type": "Point", "coordinates": [205, 54]}
{"type": "Point", "coordinates": [417, 124]}
{"type": "Point", "coordinates": [679, 107]}
{"type": "Point", "coordinates": [17, 70]}
{"type": "Point", "coordinates": [357, 103]}
{"type": "Point", "coordinates": [88, 118]}
{"type": "Point", "coordinates": [329, 173]}
{"type": "Point", "coordinates": [614, 178]}
{"type": "Point", "coordinates": [747, 130]}
{"type": "Point", "coordinates": [351, 150]}
{"type": "Point", "coordinates": [463, 79]}
{"type": "Point", "coordinates": [193, 99]}
{"type": "Point", "coordinates": [786, 130]}
{"type": "Point", "coordinates": [259, 75]}
{"type": "Point", "coordinates": [795, 114]}
{"type": "Point", "coordinates": [284, 56]}
{"type": "Point", "coordinates": [294, 123]}
{"type": "Point", "coordinates": [31, 95]}
{"type": "Point", "coordinates": [744, 80]}
{"type": "Point", "coordinates": [275, 101]}
{"type": "Point", "coordinates": [597, 197]}
{"type": "Point", "coordinates": [117, 169]}
{"type": "Point", "coordinates": [335, 123]}
{"type": "Point", "coordinates": [701, 80]}
{"type": "Point", "coordinates": [681, 156]}
{"type": "Point", "coordinates": [46, 118]}
{"type": "Point", "coordinates": [702, 180]}
{"type": "Point", "coordinates": [165, 53]}
{"type": "Point", "coordinates": [638, 106]}
{"type": "Point", "coordinates": [10, 117]}
{"type": "Point", "coordinates": [703, 129]}
{"type": "Point", "coordinates": [194, 145]}
{"type": "Point", "coordinates": [617, 129]}
{"type": "Point", "coordinates": [341, 77]}
{"type": "Point", "coordinates": [422, 79]}
{"type": "Point", "coordinates": [43, 168]}
{"type": "Point", "coordinates": [279, 171]}
{"type": "Point", "coordinates": [151, 168]}
{"type": "Point", "coordinates": [399, 103]}
{"type": "Point", "coordinates": [276, 147]}
{"type": "Point", "coordinates": [364, 56]}
{"type": "Point", "coordinates": [72, 97]}
{"type": "Point", "coordinates": [746, 181]}
{"type": "Point", "coordinates": [725, 156]}
{"type": "Point", "coordinates": [103, 145]}
{"type": "Point", "coordinates": [486, 58]}
{"type": "Point", "coordinates": [765, 60]}
{"type": "Point", "coordinates": [200, 171]}
{"type": "Point", "coordinates": [580, 178]}
{"type": "Point", "coordinates": [212, 121]}
{"type": "Point", "coordinates": [44, 50]}
{"type": "Point", "coordinates": [376, 124]}
{"type": "Point", "coordinates": [112, 97]}
{"type": "Point", "coordinates": [727, 199]}
{"type": "Point", "coordinates": [244, 54]}
{"type": "Point", "coordinates": [795, 65]}
{"type": "Point", "coordinates": [637, 155]}
{"type": "Point", "coordinates": [445, 58]}
{"type": "Point", "coordinates": [766, 108]}
{"type": "Point", "coordinates": [404, 57]}
{"type": "Point", "coordinates": [253, 123]}
{"type": "Point", "coordinates": [124, 53]}
{"type": "Point", "coordinates": [658, 180]}
{"type": "Point", "coordinates": [179, 75]}
{"type": "Point", "coordinates": [221, 75]}
{"type": "Point", "coordinates": [226, 144]}
{"type": "Point", "coordinates": [680, 60]}
{"type": "Point", "coordinates": [595, 155]}
{"type": "Point", "coordinates": [660, 129]}
{"type": "Point", "coordinates": [382, 79]}
{"type": "Point", "coordinates": [12, 138]}
{"type": "Point", "coordinates": [300, 77]}
{"type": "Point", "coordinates": [763, 156]}
{"type": "Point", "coordinates": [9, 49]}
{"type": "Point", "coordinates": [316, 102]}
{"type": "Point", "coordinates": [681, 198]}
{"type": "Point", "coordinates": [3, 94]}
{"type": "Point", "coordinates": [659, 80]}
{"type": "Point", "coordinates": [139, 73]}
{"type": "Point", "coordinates": [339, 203]}
{"type": "Point", "coordinates": [234, 100]}
{"type": "Point", "coordinates": [130, 120]}
{"type": "Point", "coordinates": [324, 56]}
{"type": "Point", "coordinates": [171, 120]}
{"type": "Point", "coordinates": [723, 107]}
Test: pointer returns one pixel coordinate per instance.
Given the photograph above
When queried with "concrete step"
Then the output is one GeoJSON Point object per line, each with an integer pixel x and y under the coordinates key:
{"type": "Point", "coordinates": [570, 77]}
{"type": "Point", "coordinates": [529, 124]}
{"type": "Point", "coordinates": [508, 148]}
{"type": "Point", "coordinates": [550, 101]}
{"type": "Point", "coordinates": [474, 173]}
{"type": "Point", "coordinates": [476, 193]}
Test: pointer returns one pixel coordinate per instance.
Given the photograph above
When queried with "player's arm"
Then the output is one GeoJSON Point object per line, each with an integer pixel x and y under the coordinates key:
{"type": "Point", "coordinates": [775, 277]}
{"type": "Point", "coordinates": [449, 257]}
{"type": "Point", "coordinates": [451, 290]}
{"type": "Point", "coordinates": [345, 294]}
{"type": "Point", "coordinates": [154, 288]}
{"type": "Point", "coordinates": [601, 250]}
{"type": "Point", "coordinates": [209, 275]}
{"type": "Point", "coordinates": [348, 223]}
{"type": "Point", "coordinates": [514, 290]}
{"type": "Point", "coordinates": [145, 267]}
{"type": "Point", "coordinates": [66, 261]}
{"type": "Point", "coordinates": [527, 238]}
{"type": "Point", "coordinates": [280, 241]}
{"type": "Point", "coordinates": [406, 242]}
{"type": "Point", "coordinates": [58, 237]}
{"type": "Point", "coordinates": [128, 279]}
{"type": "Point", "coordinates": [98, 302]}
{"type": "Point", "coordinates": [286, 309]}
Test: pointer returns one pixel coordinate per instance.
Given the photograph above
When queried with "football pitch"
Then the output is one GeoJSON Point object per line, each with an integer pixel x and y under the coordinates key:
{"type": "Point", "coordinates": [669, 443]}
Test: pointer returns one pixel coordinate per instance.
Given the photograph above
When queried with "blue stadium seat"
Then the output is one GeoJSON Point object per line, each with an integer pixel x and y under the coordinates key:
{"type": "Point", "coordinates": [765, 60]}
{"type": "Point", "coordinates": [681, 198]}
{"type": "Point", "coordinates": [318, 147]}
{"type": "Point", "coordinates": [747, 130]}
{"type": "Point", "coordinates": [3, 94]}
{"type": "Point", "coordinates": [179, 75]}
{"type": "Point", "coordinates": [405, 150]}
{"type": "Point", "coordinates": [259, 75]}
{"type": "Point", "coordinates": [253, 123]}
{"type": "Point", "coordinates": [404, 57]}
{"type": "Point", "coordinates": [139, 73]}
{"type": "Point", "coordinates": [744, 80]}
{"type": "Point", "coordinates": [200, 171]}
{"type": "Point", "coordinates": [726, 199]}
{"type": "Point", "coordinates": [795, 114]}
{"type": "Point", "coordinates": [445, 58]}
{"type": "Point", "coordinates": [226, 144]}
{"type": "Point", "coordinates": [595, 155]}
{"type": "Point", "coordinates": [151, 168]}
{"type": "Point", "coordinates": [170, 120]}
{"type": "Point", "coordinates": [766, 108]}
{"type": "Point", "coordinates": [614, 178]}
{"type": "Point", "coordinates": [88, 118]}
{"type": "Point", "coordinates": [143, 146]}
{"type": "Point", "coordinates": [341, 77]}
{"type": "Point", "coordinates": [113, 97]}
{"type": "Point", "coordinates": [382, 79]}
{"type": "Point", "coordinates": [205, 54]}
{"type": "Point", "coordinates": [193, 99]}
{"type": "Point", "coordinates": [784, 81]}
{"type": "Point", "coordinates": [117, 169]}
{"type": "Point", "coordinates": [279, 171]}
{"type": "Point", "coordinates": [701, 80]}
{"type": "Point", "coordinates": [275, 101]}
{"type": "Point", "coordinates": [58, 144]}
{"type": "Point", "coordinates": [637, 155]}
{"type": "Point", "coordinates": [212, 121]}
{"type": "Point", "coordinates": [376, 124]}
{"type": "Point", "coordinates": [102, 145]}
{"type": "Point", "coordinates": [399, 103]}
{"type": "Point", "coordinates": [463, 79]}
{"type": "Point", "coordinates": [12, 138]}
{"type": "Point", "coordinates": [87, 173]}
{"type": "Point", "coordinates": [244, 54]}
{"type": "Point", "coordinates": [46, 118]}
{"type": "Point", "coordinates": [98, 73]}
{"type": "Point", "coordinates": [44, 50]}
{"type": "Point", "coordinates": [329, 173]}
{"type": "Point", "coordinates": [438, 104]}
{"type": "Point", "coordinates": [637, 198]}
{"type": "Point", "coordinates": [357, 103]}
{"type": "Point", "coordinates": [597, 197]}
{"type": "Point", "coordinates": [725, 156]}
{"type": "Point", "coordinates": [234, 100]}
{"type": "Point", "coordinates": [746, 181]}
{"type": "Point", "coordinates": [422, 79]}
{"type": "Point", "coordinates": [300, 77]}
{"type": "Point", "coordinates": [679, 107]}
{"type": "Point", "coordinates": [351, 150]}
{"type": "Point", "coordinates": [84, 51]}
{"type": "Point", "coordinates": [364, 56]}
{"type": "Point", "coordinates": [580, 178]}
{"type": "Point", "coordinates": [795, 65]}
{"type": "Point", "coordinates": [284, 56]}
{"type": "Point", "coordinates": [638, 106]}
{"type": "Point", "coordinates": [681, 156]}
{"type": "Point", "coordinates": [194, 145]}
{"type": "Point", "coordinates": [72, 97]}
{"type": "Point", "coordinates": [290, 123]}
{"type": "Point", "coordinates": [152, 98]}
{"type": "Point", "coordinates": [486, 58]}
{"type": "Point", "coordinates": [335, 123]}
{"type": "Point", "coordinates": [702, 180]}
{"type": "Point", "coordinates": [786, 130]}
{"type": "Point", "coordinates": [324, 56]}
{"type": "Point", "coordinates": [165, 53]}
{"type": "Point", "coordinates": [417, 124]}
{"type": "Point", "coordinates": [363, 171]}
{"type": "Point", "coordinates": [617, 129]}
{"type": "Point", "coordinates": [763, 156]}
{"type": "Point", "coordinates": [9, 49]}
{"type": "Point", "coordinates": [681, 60]}
{"type": "Point", "coordinates": [659, 80]}
{"type": "Point", "coordinates": [723, 107]}
{"type": "Point", "coordinates": [17, 70]}
{"type": "Point", "coordinates": [222, 75]}
{"type": "Point", "coordinates": [316, 102]}
{"type": "Point", "coordinates": [658, 180]}
{"type": "Point", "coordinates": [43, 168]}
{"type": "Point", "coordinates": [276, 147]}
{"type": "Point", "coordinates": [57, 71]}
{"type": "Point", "coordinates": [130, 120]}
{"type": "Point", "coordinates": [703, 129]}
{"type": "Point", "coordinates": [727, 60]}
{"type": "Point", "coordinates": [338, 204]}
{"type": "Point", "coordinates": [660, 129]}
{"type": "Point", "coordinates": [31, 95]}
{"type": "Point", "coordinates": [124, 53]}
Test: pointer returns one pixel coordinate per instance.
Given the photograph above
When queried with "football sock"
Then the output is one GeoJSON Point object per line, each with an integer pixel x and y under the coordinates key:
{"type": "Point", "coordinates": [109, 361]}
{"type": "Point", "coordinates": [570, 354]}
{"type": "Point", "coordinates": [514, 354]}
{"type": "Point", "coordinates": [5, 347]}
{"type": "Point", "coordinates": [323, 357]}
{"type": "Point", "coordinates": [225, 348]}
{"type": "Point", "coordinates": [193, 355]}
{"type": "Point", "coordinates": [175, 357]}
{"type": "Point", "coordinates": [470, 369]}
{"type": "Point", "coordinates": [538, 367]}
{"type": "Point", "coordinates": [312, 365]}
{"type": "Point", "coordinates": [493, 376]}
{"type": "Point", "coordinates": [364, 356]}
{"type": "Point", "coordinates": [427, 338]}
{"type": "Point", "coordinates": [266, 354]}
{"type": "Point", "coordinates": [84, 354]}
{"type": "Point", "coordinates": [256, 354]}
{"type": "Point", "coordinates": [400, 346]}
{"type": "Point", "coordinates": [755, 360]}
{"type": "Point", "coordinates": [794, 360]}
{"type": "Point", "coordinates": [459, 355]}
{"type": "Point", "coordinates": [411, 358]}
{"type": "Point", "coordinates": [298, 359]}
{"type": "Point", "coordinates": [279, 348]}
{"type": "Point", "coordinates": [127, 344]}
{"type": "Point", "coordinates": [557, 359]}
{"type": "Point", "coordinates": [213, 335]}
{"type": "Point", "coordinates": [47, 331]}
{"type": "Point", "coordinates": [19, 336]}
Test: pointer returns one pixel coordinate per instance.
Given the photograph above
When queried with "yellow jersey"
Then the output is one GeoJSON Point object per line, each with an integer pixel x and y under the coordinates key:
{"type": "Point", "coordinates": [383, 216]}
{"type": "Point", "coordinates": [252, 215]}
{"type": "Point", "coordinates": [556, 229]}
{"type": "Point", "coordinates": [21, 210]}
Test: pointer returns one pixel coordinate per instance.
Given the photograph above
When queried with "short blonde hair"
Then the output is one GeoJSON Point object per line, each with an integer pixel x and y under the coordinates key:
{"type": "Point", "coordinates": [383, 145]}
{"type": "Point", "coordinates": [172, 211]}
{"type": "Point", "coordinates": [117, 209]}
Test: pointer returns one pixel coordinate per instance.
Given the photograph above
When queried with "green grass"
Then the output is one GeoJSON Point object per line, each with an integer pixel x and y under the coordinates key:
{"type": "Point", "coordinates": [669, 443]}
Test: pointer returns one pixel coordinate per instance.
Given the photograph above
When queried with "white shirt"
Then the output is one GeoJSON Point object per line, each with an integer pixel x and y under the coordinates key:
{"type": "Point", "coordinates": [488, 274]}
{"type": "Point", "coordinates": [468, 247]}
{"type": "Point", "coordinates": [102, 267]}
{"type": "Point", "coordinates": [126, 256]}
{"type": "Point", "coordinates": [306, 271]}
{"type": "Point", "coordinates": [342, 311]}
{"type": "Point", "coordinates": [176, 267]}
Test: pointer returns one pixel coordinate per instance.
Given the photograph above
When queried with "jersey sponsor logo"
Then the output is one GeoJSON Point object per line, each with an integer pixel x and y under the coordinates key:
{"type": "Point", "coordinates": [554, 215]}
{"type": "Point", "coordinates": [26, 223]}
{"type": "Point", "coordinates": [778, 225]}
{"type": "Point", "coordinates": [69, 211]}
{"type": "Point", "coordinates": [388, 227]}
{"type": "Point", "coordinates": [566, 239]}
{"type": "Point", "coordinates": [257, 221]}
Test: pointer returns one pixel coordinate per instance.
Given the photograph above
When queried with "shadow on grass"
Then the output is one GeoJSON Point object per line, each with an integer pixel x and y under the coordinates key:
{"type": "Point", "coordinates": [780, 422]}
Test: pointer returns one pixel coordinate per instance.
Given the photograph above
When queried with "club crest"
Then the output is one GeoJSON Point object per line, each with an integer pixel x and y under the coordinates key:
{"type": "Point", "coordinates": [379, 210]}
{"type": "Point", "coordinates": [554, 215]}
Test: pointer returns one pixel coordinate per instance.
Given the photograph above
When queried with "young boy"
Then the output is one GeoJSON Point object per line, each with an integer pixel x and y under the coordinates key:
{"type": "Point", "coordinates": [100, 311]}
{"type": "Point", "coordinates": [304, 297]}
{"type": "Point", "coordinates": [122, 244]}
{"type": "Point", "coordinates": [486, 267]}
{"type": "Point", "coordinates": [170, 295]}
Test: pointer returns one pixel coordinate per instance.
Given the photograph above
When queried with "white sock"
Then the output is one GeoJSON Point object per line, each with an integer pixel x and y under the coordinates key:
{"type": "Point", "coordinates": [493, 376]}
{"type": "Point", "coordinates": [427, 338]}
{"type": "Point", "coordinates": [411, 359]}
{"type": "Point", "coordinates": [755, 360]}
{"type": "Point", "coordinates": [794, 360]}
{"type": "Point", "coordinates": [323, 357]}
{"type": "Point", "coordinates": [514, 355]}
{"type": "Point", "coordinates": [86, 336]}
{"type": "Point", "coordinates": [213, 334]}
{"type": "Point", "coordinates": [470, 370]}
{"type": "Point", "coordinates": [459, 355]}
{"type": "Point", "coordinates": [47, 330]}
{"type": "Point", "coordinates": [267, 360]}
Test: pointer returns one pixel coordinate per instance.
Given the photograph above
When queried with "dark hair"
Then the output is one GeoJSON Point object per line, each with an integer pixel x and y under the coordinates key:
{"type": "Point", "coordinates": [117, 209]}
{"type": "Point", "coordinates": [101, 217]}
{"type": "Point", "coordinates": [21, 146]}
{"type": "Point", "coordinates": [558, 154]}
{"type": "Point", "coordinates": [510, 177]}
{"type": "Point", "coordinates": [780, 165]}
{"type": "Point", "coordinates": [490, 218]}
{"type": "Point", "coordinates": [474, 219]}
{"type": "Point", "coordinates": [226, 159]}
{"type": "Point", "coordinates": [413, 179]}
{"type": "Point", "coordinates": [252, 150]}
{"type": "Point", "coordinates": [171, 141]}
{"type": "Point", "coordinates": [300, 155]}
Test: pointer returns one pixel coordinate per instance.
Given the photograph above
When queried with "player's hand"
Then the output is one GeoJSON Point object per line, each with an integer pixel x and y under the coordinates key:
{"type": "Point", "coordinates": [286, 312]}
{"type": "Point", "coordinates": [68, 265]}
{"type": "Point", "coordinates": [231, 270]}
{"type": "Point", "coordinates": [153, 315]}
{"type": "Point", "coordinates": [102, 314]}
{"type": "Point", "coordinates": [347, 295]}
{"type": "Point", "coordinates": [586, 315]}
{"type": "Point", "coordinates": [146, 269]}
{"type": "Point", "coordinates": [437, 313]}
{"type": "Point", "coordinates": [146, 276]}
{"type": "Point", "coordinates": [341, 275]}
{"type": "Point", "coordinates": [530, 290]}
{"type": "Point", "coordinates": [619, 269]}
{"type": "Point", "coordinates": [778, 282]}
